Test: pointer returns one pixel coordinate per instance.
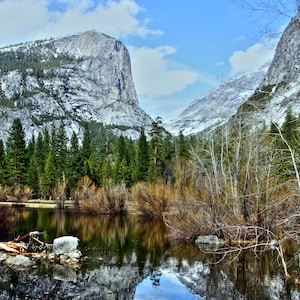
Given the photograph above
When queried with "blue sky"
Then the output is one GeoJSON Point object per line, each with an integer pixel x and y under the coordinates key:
{"type": "Point", "coordinates": [179, 49]}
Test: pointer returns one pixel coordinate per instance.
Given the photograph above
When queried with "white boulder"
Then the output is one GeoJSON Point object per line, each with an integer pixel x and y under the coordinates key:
{"type": "Point", "coordinates": [64, 244]}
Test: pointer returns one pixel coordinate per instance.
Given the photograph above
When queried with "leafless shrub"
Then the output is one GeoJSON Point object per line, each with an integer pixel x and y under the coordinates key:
{"type": "Point", "coordinates": [93, 200]}
{"type": "Point", "coordinates": [152, 200]}
{"type": "Point", "coordinates": [59, 192]}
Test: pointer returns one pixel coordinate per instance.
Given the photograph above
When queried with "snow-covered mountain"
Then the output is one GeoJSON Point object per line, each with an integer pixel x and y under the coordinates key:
{"type": "Point", "coordinates": [80, 78]}
{"type": "Point", "coordinates": [259, 97]}
{"type": "Point", "coordinates": [280, 89]}
{"type": "Point", "coordinates": [218, 105]}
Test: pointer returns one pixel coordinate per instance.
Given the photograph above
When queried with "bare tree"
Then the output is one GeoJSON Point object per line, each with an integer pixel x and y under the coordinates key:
{"type": "Point", "coordinates": [270, 11]}
{"type": "Point", "coordinates": [274, 8]}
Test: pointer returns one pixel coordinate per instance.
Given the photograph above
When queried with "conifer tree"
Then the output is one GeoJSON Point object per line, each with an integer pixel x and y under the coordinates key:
{"type": "Point", "coordinates": [39, 154]}
{"type": "Point", "coordinates": [182, 146]}
{"type": "Point", "coordinates": [121, 162]}
{"type": "Point", "coordinates": [48, 179]}
{"type": "Point", "coordinates": [131, 152]}
{"type": "Point", "coordinates": [157, 133]}
{"type": "Point", "coordinates": [60, 154]}
{"type": "Point", "coordinates": [33, 176]}
{"type": "Point", "coordinates": [74, 170]}
{"type": "Point", "coordinates": [86, 143]}
{"type": "Point", "coordinates": [3, 168]}
{"type": "Point", "coordinates": [31, 147]}
{"type": "Point", "coordinates": [142, 161]}
{"type": "Point", "coordinates": [16, 153]}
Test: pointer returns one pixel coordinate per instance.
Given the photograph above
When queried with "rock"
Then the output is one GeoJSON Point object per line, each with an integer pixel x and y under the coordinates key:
{"type": "Point", "coordinates": [209, 240]}
{"type": "Point", "coordinates": [71, 259]}
{"type": "Point", "coordinates": [2, 257]}
{"type": "Point", "coordinates": [19, 261]}
{"type": "Point", "coordinates": [64, 244]}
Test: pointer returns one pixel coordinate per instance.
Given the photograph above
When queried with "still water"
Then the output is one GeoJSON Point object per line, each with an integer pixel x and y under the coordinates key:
{"type": "Point", "coordinates": [129, 258]}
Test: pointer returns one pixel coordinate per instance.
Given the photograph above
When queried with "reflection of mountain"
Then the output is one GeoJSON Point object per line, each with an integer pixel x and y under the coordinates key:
{"type": "Point", "coordinates": [99, 280]}
{"type": "Point", "coordinates": [103, 282]}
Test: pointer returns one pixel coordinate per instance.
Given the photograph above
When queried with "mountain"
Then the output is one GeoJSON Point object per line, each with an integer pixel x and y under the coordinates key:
{"type": "Point", "coordinates": [218, 105]}
{"type": "Point", "coordinates": [280, 89]}
{"type": "Point", "coordinates": [79, 78]}
{"type": "Point", "coordinates": [259, 97]}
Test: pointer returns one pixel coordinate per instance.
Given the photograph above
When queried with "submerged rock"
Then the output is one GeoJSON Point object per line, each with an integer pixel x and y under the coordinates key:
{"type": "Point", "coordinates": [2, 256]}
{"type": "Point", "coordinates": [19, 261]}
{"type": "Point", "coordinates": [209, 242]}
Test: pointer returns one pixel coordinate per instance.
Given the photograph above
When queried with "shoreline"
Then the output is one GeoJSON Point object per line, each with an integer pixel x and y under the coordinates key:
{"type": "Point", "coordinates": [34, 204]}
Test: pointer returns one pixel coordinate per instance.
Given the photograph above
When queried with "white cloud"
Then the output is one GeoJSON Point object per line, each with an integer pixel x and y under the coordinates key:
{"type": "Point", "coordinates": [154, 75]}
{"type": "Point", "coordinates": [254, 56]}
{"type": "Point", "coordinates": [31, 19]}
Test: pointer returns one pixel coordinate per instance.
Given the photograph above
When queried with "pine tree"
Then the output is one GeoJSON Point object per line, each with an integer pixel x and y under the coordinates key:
{"type": "Point", "coordinates": [16, 153]}
{"type": "Point", "coordinates": [74, 170]}
{"type": "Point", "coordinates": [31, 147]}
{"type": "Point", "coordinates": [131, 152]}
{"type": "Point", "coordinates": [40, 154]}
{"type": "Point", "coordinates": [182, 147]}
{"type": "Point", "coordinates": [291, 129]}
{"type": "Point", "coordinates": [61, 150]}
{"type": "Point", "coordinates": [157, 133]}
{"type": "Point", "coordinates": [49, 178]}
{"type": "Point", "coordinates": [121, 161]}
{"type": "Point", "coordinates": [33, 176]}
{"type": "Point", "coordinates": [86, 143]}
{"type": "Point", "coordinates": [3, 168]}
{"type": "Point", "coordinates": [142, 161]}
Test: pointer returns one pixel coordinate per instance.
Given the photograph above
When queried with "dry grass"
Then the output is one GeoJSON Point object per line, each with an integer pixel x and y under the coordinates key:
{"type": "Point", "coordinates": [18, 193]}
{"type": "Point", "coordinates": [152, 200]}
{"type": "Point", "coordinates": [93, 200]}
{"type": "Point", "coordinates": [4, 192]}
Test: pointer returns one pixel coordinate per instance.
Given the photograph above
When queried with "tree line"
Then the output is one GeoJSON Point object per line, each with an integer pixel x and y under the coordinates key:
{"type": "Point", "coordinates": [43, 162]}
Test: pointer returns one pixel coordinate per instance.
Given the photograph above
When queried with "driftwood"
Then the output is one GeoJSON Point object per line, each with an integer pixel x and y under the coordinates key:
{"type": "Point", "coordinates": [5, 247]}
{"type": "Point", "coordinates": [18, 245]}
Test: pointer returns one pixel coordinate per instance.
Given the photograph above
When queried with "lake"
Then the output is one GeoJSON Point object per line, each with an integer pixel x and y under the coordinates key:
{"type": "Point", "coordinates": [130, 258]}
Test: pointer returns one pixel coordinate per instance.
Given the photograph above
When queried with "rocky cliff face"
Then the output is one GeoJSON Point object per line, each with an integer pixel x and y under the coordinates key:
{"type": "Point", "coordinates": [280, 89]}
{"type": "Point", "coordinates": [285, 66]}
{"type": "Point", "coordinates": [84, 77]}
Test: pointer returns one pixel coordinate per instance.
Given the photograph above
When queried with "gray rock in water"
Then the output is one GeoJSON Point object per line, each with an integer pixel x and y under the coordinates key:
{"type": "Point", "coordinates": [209, 239]}
{"type": "Point", "coordinates": [2, 256]}
{"type": "Point", "coordinates": [19, 261]}
{"type": "Point", "coordinates": [65, 244]}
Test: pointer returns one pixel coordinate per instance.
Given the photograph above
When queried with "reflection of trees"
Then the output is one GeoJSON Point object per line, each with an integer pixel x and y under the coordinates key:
{"type": "Point", "coordinates": [7, 215]}
{"type": "Point", "coordinates": [10, 218]}
{"type": "Point", "coordinates": [122, 237]}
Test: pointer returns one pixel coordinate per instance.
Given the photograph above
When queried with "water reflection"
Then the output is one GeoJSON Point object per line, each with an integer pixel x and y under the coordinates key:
{"type": "Point", "coordinates": [128, 258]}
